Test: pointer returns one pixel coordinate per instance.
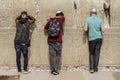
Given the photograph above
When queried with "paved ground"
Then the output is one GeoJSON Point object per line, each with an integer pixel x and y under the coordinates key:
{"type": "Point", "coordinates": [67, 75]}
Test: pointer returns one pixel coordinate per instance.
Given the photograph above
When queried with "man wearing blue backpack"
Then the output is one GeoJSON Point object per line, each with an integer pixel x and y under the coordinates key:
{"type": "Point", "coordinates": [54, 29]}
{"type": "Point", "coordinates": [94, 26]}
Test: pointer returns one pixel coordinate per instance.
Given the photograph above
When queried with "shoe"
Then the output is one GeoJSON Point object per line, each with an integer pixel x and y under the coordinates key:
{"type": "Point", "coordinates": [26, 72]}
{"type": "Point", "coordinates": [91, 70]}
{"type": "Point", "coordinates": [96, 69]}
{"type": "Point", "coordinates": [55, 73]}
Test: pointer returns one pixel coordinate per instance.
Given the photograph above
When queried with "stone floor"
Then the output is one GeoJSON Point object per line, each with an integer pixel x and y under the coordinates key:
{"type": "Point", "coordinates": [70, 74]}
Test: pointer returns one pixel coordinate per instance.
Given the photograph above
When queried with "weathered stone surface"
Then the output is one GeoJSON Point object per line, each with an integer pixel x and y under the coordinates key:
{"type": "Point", "coordinates": [75, 52]}
{"type": "Point", "coordinates": [115, 13]}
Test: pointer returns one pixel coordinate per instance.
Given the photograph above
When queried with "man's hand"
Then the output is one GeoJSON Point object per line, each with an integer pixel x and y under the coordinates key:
{"type": "Point", "coordinates": [85, 28]}
{"type": "Point", "coordinates": [102, 29]}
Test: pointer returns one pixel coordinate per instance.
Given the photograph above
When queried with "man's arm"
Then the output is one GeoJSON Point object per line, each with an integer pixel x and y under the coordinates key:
{"type": "Point", "coordinates": [33, 25]}
{"type": "Point", "coordinates": [102, 28]}
{"type": "Point", "coordinates": [46, 26]}
{"type": "Point", "coordinates": [85, 25]}
{"type": "Point", "coordinates": [32, 19]}
{"type": "Point", "coordinates": [45, 31]}
{"type": "Point", "coordinates": [17, 19]}
{"type": "Point", "coordinates": [85, 28]}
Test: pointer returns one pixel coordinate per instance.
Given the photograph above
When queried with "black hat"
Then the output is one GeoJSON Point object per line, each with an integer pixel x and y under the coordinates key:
{"type": "Point", "coordinates": [24, 12]}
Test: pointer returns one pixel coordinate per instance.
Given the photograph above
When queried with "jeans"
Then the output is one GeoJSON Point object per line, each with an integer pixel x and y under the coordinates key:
{"type": "Point", "coordinates": [94, 50]}
{"type": "Point", "coordinates": [21, 49]}
{"type": "Point", "coordinates": [55, 49]}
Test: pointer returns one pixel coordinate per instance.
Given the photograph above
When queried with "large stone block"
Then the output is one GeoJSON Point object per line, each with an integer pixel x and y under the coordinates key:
{"type": "Point", "coordinates": [75, 52]}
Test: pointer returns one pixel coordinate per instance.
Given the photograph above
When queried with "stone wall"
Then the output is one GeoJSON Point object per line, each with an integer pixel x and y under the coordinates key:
{"type": "Point", "coordinates": [75, 49]}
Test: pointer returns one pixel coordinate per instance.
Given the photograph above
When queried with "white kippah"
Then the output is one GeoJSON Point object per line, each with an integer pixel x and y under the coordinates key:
{"type": "Point", "coordinates": [94, 10]}
{"type": "Point", "coordinates": [58, 12]}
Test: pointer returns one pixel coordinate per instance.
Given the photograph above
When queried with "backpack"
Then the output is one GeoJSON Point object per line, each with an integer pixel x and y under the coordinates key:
{"type": "Point", "coordinates": [54, 28]}
{"type": "Point", "coordinates": [22, 33]}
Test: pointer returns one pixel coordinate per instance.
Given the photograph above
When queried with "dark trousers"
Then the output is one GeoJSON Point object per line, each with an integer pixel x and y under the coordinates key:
{"type": "Point", "coordinates": [21, 49]}
{"type": "Point", "coordinates": [94, 49]}
{"type": "Point", "coordinates": [55, 49]}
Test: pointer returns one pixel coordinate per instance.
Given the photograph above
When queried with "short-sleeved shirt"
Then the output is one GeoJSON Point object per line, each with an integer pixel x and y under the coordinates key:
{"type": "Point", "coordinates": [94, 25]}
{"type": "Point", "coordinates": [59, 38]}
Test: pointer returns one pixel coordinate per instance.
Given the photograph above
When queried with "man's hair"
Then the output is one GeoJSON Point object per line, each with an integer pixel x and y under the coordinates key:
{"type": "Point", "coordinates": [93, 13]}
{"type": "Point", "coordinates": [24, 12]}
{"type": "Point", "coordinates": [60, 14]}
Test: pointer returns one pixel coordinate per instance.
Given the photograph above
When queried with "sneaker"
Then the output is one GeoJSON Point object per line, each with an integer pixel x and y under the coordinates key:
{"type": "Point", "coordinates": [26, 71]}
{"type": "Point", "coordinates": [96, 69]}
{"type": "Point", "coordinates": [91, 71]}
{"type": "Point", "coordinates": [55, 73]}
{"type": "Point", "coordinates": [52, 72]}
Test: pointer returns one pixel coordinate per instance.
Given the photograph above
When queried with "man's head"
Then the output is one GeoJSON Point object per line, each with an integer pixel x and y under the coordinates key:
{"type": "Point", "coordinates": [59, 13]}
{"type": "Point", "coordinates": [24, 14]}
{"type": "Point", "coordinates": [23, 17]}
{"type": "Point", "coordinates": [93, 11]}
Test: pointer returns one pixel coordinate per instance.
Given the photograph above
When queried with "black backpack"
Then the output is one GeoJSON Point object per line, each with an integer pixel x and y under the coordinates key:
{"type": "Point", "coordinates": [22, 32]}
{"type": "Point", "coordinates": [54, 28]}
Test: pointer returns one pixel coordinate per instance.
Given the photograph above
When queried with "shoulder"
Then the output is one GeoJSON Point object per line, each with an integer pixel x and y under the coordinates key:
{"type": "Point", "coordinates": [87, 19]}
{"type": "Point", "coordinates": [61, 18]}
{"type": "Point", "coordinates": [100, 19]}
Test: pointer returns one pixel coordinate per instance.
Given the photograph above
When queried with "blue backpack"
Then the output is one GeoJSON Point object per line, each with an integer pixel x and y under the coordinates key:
{"type": "Point", "coordinates": [54, 28]}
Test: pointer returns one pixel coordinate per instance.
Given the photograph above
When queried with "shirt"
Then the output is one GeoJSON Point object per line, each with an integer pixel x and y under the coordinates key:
{"type": "Point", "coordinates": [59, 38]}
{"type": "Point", "coordinates": [94, 25]}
